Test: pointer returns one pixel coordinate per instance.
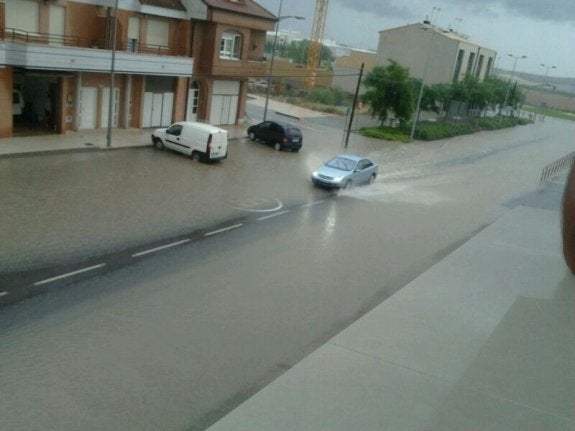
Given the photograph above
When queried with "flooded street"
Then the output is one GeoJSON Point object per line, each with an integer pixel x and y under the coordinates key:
{"type": "Point", "coordinates": [177, 339]}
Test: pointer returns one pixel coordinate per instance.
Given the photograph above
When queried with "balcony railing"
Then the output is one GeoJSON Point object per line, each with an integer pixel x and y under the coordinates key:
{"type": "Point", "coordinates": [133, 46]}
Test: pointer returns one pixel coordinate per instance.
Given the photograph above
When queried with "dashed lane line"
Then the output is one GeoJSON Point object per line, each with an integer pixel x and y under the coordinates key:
{"type": "Point", "coordinates": [3, 294]}
{"type": "Point", "coordinates": [311, 204]}
{"type": "Point", "coordinates": [69, 274]}
{"type": "Point", "coordinates": [273, 215]}
{"type": "Point", "coordinates": [162, 247]}
{"type": "Point", "coordinates": [224, 229]}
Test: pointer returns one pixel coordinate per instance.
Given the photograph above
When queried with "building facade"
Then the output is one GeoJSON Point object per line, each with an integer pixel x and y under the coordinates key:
{"type": "Point", "coordinates": [346, 69]}
{"type": "Point", "coordinates": [434, 54]}
{"type": "Point", "coordinates": [169, 60]}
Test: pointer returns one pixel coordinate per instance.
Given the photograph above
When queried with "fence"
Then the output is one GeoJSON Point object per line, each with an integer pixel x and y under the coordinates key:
{"type": "Point", "coordinates": [552, 169]}
{"type": "Point", "coordinates": [132, 45]}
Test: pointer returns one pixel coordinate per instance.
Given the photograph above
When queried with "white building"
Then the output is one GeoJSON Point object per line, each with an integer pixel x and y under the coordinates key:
{"type": "Point", "coordinates": [440, 55]}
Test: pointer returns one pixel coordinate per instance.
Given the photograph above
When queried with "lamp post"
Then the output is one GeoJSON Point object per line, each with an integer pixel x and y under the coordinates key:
{"type": "Point", "coordinates": [516, 57]}
{"type": "Point", "coordinates": [541, 116]}
{"type": "Point", "coordinates": [417, 108]}
{"type": "Point", "coordinates": [112, 67]}
{"type": "Point", "coordinates": [274, 55]}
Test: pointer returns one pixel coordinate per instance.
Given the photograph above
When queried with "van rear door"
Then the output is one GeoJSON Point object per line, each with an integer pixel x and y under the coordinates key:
{"type": "Point", "coordinates": [218, 145]}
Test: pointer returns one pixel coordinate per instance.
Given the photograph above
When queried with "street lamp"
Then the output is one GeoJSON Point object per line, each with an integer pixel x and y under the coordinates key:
{"type": "Point", "coordinates": [516, 57]}
{"type": "Point", "coordinates": [417, 108]}
{"type": "Point", "coordinates": [541, 117]}
{"type": "Point", "coordinates": [274, 55]}
{"type": "Point", "coordinates": [547, 69]}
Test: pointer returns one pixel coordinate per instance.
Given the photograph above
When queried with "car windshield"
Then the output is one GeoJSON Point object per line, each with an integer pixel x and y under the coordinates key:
{"type": "Point", "coordinates": [341, 163]}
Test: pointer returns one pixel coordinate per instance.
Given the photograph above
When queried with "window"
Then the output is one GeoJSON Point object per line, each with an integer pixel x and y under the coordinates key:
{"type": "Point", "coordinates": [23, 15]}
{"type": "Point", "coordinates": [158, 33]}
{"type": "Point", "coordinates": [470, 63]}
{"type": "Point", "coordinates": [364, 164]}
{"type": "Point", "coordinates": [175, 130]}
{"type": "Point", "coordinates": [460, 55]}
{"type": "Point", "coordinates": [479, 67]}
{"type": "Point", "coordinates": [231, 46]}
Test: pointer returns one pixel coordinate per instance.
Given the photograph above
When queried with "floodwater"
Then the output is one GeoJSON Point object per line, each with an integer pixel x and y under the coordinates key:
{"type": "Point", "coordinates": [176, 340]}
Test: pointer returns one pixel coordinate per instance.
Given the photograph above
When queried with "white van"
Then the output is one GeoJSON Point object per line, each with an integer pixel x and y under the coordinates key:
{"type": "Point", "coordinates": [200, 141]}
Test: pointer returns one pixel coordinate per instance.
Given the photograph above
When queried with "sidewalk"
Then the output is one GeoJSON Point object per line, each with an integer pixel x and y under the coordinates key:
{"type": "Point", "coordinates": [122, 138]}
{"type": "Point", "coordinates": [89, 139]}
{"type": "Point", "coordinates": [483, 340]}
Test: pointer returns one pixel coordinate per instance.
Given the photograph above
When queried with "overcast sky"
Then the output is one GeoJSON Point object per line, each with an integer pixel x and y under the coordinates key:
{"type": "Point", "coordinates": [543, 30]}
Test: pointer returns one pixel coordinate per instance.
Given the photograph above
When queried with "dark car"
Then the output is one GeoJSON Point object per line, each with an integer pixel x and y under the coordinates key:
{"type": "Point", "coordinates": [281, 135]}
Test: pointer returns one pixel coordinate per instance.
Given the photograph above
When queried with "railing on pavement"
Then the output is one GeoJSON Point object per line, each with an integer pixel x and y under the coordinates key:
{"type": "Point", "coordinates": [553, 169]}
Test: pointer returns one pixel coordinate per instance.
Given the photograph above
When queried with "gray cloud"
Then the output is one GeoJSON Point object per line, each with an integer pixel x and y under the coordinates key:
{"type": "Point", "coordinates": [383, 8]}
{"type": "Point", "coordinates": [550, 10]}
{"type": "Point", "coordinates": [547, 10]}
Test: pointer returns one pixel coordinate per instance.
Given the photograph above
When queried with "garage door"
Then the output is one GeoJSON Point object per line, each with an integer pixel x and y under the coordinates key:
{"type": "Point", "coordinates": [157, 110]}
{"type": "Point", "coordinates": [225, 97]}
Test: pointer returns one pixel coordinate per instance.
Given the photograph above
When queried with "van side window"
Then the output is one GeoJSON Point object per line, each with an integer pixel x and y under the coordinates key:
{"type": "Point", "coordinates": [175, 130]}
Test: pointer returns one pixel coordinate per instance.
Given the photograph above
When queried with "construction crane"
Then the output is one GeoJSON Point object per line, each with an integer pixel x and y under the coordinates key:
{"type": "Point", "coordinates": [314, 51]}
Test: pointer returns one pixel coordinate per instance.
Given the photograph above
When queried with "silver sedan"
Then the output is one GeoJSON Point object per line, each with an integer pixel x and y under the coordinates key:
{"type": "Point", "coordinates": [345, 171]}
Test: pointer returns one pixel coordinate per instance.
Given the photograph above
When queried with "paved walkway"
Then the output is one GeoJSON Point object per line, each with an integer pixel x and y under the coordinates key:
{"type": "Point", "coordinates": [121, 138]}
{"type": "Point", "coordinates": [88, 139]}
{"type": "Point", "coordinates": [483, 340]}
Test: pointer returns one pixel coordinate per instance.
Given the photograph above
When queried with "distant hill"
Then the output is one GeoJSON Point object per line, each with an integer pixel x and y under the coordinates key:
{"type": "Point", "coordinates": [562, 85]}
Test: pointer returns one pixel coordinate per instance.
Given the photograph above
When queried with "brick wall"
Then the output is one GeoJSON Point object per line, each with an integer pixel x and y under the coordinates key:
{"type": "Point", "coordinates": [6, 102]}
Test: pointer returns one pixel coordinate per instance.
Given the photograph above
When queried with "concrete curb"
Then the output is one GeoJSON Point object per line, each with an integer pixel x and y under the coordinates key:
{"type": "Point", "coordinates": [288, 115]}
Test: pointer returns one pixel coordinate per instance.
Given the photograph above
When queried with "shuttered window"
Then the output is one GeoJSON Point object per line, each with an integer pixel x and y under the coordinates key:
{"type": "Point", "coordinates": [158, 33]}
{"type": "Point", "coordinates": [23, 15]}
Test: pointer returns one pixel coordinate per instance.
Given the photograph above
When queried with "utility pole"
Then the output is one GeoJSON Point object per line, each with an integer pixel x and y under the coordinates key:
{"type": "Point", "coordinates": [354, 103]}
{"type": "Point", "coordinates": [112, 67]}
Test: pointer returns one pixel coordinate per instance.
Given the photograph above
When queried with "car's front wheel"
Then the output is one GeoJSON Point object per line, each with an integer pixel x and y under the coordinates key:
{"type": "Point", "coordinates": [252, 136]}
{"type": "Point", "coordinates": [158, 144]}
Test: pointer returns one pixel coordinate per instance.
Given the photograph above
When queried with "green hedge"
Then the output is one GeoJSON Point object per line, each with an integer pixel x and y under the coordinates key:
{"type": "Point", "coordinates": [387, 133]}
{"type": "Point", "coordinates": [431, 131]}
{"type": "Point", "coordinates": [441, 130]}
{"type": "Point", "coordinates": [500, 123]}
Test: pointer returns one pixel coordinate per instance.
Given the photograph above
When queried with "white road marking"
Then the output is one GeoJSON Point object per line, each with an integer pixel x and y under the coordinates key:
{"type": "Point", "coordinates": [311, 204]}
{"type": "Point", "coordinates": [162, 247]}
{"type": "Point", "coordinates": [225, 229]}
{"type": "Point", "coordinates": [3, 293]}
{"type": "Point", "coordinates": [278, 205]}
{"type": "Point", "coordinates": [69, 274]}
{"type": "Point", "coordinates": [273, 215]}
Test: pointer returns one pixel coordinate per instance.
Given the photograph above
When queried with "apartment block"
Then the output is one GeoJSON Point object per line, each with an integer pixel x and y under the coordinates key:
{"type": "Point", "coordinates": [434, 54]}
{"type": "Point", "coordinates": [169, 60]}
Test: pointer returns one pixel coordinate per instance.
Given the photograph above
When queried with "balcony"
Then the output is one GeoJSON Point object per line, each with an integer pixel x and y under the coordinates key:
{"type": "Point", "coordinates": [54, 52]}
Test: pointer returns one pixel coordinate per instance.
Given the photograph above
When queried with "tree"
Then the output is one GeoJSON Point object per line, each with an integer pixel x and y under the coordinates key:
{"type": "Point", "coordinates": [297, 51]}
{"type": "Point", "coordinates": [390, 89]}
{"type": "Point", "coordinates": [436, 98]}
